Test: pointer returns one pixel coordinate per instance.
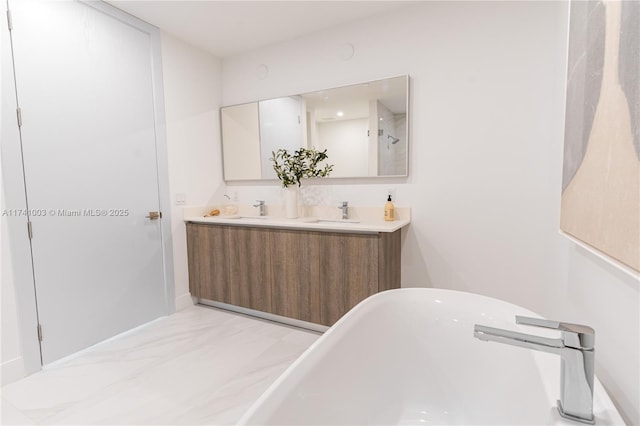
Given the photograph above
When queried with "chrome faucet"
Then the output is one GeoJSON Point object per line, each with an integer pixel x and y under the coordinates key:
{"type": "Point", "coordinates": [261, 206]}
{"type": "Point", "coordinates": [345, 209]}
{"type": "Point", "coordinates": [576, 349]}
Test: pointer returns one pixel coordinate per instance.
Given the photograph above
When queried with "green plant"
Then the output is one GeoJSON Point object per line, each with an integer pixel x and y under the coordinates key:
{"type": "Point", "coordinates": [303, 163]}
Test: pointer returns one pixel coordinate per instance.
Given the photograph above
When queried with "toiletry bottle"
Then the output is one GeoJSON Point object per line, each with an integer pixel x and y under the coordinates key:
{"type": "Point", "coordinates": [389, 210]}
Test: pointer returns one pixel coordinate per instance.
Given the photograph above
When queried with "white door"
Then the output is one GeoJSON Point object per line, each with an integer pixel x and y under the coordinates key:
{"type": "Point", "coordinates": [85, 88]}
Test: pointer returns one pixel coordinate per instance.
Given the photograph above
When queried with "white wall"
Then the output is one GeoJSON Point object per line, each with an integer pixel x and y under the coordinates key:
{"type": "Point", "coordinates": [192, 100]}
{"type": "Point", "coordinates": [487, 107]}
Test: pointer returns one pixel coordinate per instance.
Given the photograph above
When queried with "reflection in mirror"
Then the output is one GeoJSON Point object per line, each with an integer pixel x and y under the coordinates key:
{"type": "Point", "coordinates": [280, 127]}
{"type": "Point", "coordinates": [363, 127]}
{"type": "Point", "coordinates": [241, 142]}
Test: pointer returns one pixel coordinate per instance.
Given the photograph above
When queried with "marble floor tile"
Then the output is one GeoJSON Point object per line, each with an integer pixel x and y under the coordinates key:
{"type": "Point", "coordinates": [10, 415]}
{"type": "Point", "coordinates": [198, 366]}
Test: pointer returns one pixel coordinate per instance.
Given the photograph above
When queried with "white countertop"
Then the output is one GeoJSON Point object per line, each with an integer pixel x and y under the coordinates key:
{"type": "Point", "coordinates": [361, 219]}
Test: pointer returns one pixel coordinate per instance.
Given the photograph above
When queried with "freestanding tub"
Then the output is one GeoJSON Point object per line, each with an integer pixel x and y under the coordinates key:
{"type": "Point", "coordinates": [408, 356]}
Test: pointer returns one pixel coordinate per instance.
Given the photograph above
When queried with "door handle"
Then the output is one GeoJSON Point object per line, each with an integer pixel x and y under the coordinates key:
{"type": "Point", "coordinates": [154, 215]}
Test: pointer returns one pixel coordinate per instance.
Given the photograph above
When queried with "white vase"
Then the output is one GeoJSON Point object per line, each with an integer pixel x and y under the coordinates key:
{"type": "Point", "coordinates": [291, 202]}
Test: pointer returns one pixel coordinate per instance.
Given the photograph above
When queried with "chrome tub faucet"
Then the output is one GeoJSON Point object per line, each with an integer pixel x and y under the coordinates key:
{"type": "Point", "coordinates": [576, 350]}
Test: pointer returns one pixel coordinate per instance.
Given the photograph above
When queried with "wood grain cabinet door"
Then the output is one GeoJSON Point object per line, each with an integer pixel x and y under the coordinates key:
{"type": "Point", "coordinates": [249, 268]}
{"type": "Point", "coordinates": [208, 262]}
{"type": "Point", "coordinates": [295, 274]}
{"type": "Point", "coordinates": [348, 272]}
{"type": "Point", "coordinates": [389, 260]}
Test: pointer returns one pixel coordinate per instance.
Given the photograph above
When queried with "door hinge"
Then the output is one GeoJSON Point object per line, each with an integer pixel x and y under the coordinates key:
{"type": "Point", "coordinates": [9, 20]}
{"type": "Point", "coordinates": [19, 113]}
{"type": "Point", "coordinates": [30, 230]}
{"type": "Point", "coordinates": [39, 332]}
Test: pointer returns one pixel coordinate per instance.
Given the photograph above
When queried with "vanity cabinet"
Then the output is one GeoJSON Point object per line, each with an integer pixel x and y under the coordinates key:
{"type": "Point", "coordinates": [306, 275]}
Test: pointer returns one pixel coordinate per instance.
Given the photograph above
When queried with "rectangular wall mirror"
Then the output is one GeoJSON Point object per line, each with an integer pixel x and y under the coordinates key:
{"type": "Point", "coordinates": [363, 127]}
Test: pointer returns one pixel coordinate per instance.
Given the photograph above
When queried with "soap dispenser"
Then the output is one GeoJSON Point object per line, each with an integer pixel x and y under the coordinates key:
{"type": "Point", "coordinates": [389, 210]}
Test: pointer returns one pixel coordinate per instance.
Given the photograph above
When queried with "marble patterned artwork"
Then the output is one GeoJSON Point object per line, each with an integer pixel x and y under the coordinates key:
{"type": "Point", "coordinates": [197, 366]}
{"type": "Point", "coordinates": [601, 172]}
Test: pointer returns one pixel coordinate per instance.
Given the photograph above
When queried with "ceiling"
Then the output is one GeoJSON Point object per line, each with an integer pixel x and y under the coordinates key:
{"type": "Point", "coordinates": [228, 28]}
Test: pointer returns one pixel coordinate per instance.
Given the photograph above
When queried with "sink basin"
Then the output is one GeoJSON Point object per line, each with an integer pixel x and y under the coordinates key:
{"type": "Point", "coordinates": [311, 220]}
{"type": "Point", "coordinates": [326, 221]}
{"type": "Point", "coordinates": [249, 217]}
{"type": "Point", "coordinates": [336, 221]}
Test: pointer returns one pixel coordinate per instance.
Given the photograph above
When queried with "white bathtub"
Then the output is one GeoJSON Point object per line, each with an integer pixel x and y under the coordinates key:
{"type": "Point", "coordinates": [408, 356]}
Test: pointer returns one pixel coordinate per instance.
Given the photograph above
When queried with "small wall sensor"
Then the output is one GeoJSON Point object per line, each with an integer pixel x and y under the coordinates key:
{"type": "Point", "coordinates": [345, 51]}
{"type": "Point", "coordinates": [262, 71]}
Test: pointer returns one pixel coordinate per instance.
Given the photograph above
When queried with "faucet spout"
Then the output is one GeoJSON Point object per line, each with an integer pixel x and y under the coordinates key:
{"type": "Point", "coordinates": [576, 349]}
{"type": "Point", "coordinates": [344, 206]}
{"type": "Point", "coordinates": [260, 204]}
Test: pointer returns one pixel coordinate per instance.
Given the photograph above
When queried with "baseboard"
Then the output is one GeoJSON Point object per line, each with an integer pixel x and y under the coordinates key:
{"type": "Point", "coordinates": [184, 301]}
{"type": "Point", "coordinates": [309, 326]}
{"type": "Point", "coordinates": [12, 371]}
